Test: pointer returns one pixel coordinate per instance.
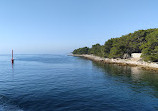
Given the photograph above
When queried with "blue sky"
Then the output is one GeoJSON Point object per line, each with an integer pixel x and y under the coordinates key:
{"type": "Point", "coordinates": [59, 26]}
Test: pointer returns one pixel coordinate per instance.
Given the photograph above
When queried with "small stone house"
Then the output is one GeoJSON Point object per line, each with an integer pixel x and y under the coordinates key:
{"type": "Point", "coordinates": [133, 56]}
{"type": "Point", "coordinates": [136, 55]}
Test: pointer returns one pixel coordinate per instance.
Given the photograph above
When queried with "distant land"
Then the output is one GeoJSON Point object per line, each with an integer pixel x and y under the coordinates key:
{"type": "Point", "coordinates": [141, 41]}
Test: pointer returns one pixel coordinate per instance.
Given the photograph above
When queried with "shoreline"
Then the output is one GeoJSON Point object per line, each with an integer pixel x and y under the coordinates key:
{"type": "Point", "coordinates": [124, 62]}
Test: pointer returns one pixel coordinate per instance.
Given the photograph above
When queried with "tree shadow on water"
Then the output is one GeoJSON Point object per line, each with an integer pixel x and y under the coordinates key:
{"type": "Point", "coordinates": [137, 78]}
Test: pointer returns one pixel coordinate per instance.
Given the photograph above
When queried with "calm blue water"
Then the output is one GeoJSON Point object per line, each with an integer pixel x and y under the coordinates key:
{"type": "Point", "coordinates": [65, 83]}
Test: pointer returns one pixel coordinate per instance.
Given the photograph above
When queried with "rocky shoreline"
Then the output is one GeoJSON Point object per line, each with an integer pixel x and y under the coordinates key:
{"type": "Point", "coordinates": [130, 62]}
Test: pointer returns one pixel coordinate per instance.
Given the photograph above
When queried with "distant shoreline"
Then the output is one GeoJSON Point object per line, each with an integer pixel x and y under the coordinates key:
{"type": "Point", "coordinates": [124, 62]}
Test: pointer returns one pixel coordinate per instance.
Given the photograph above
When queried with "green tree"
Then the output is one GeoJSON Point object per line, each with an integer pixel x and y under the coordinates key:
{"type": "Point", "coordinates": [150, 48]}
{"type": "Point", "coordinates": [141, 41]}
{"type": "Point", "coordinates": [83, 50]}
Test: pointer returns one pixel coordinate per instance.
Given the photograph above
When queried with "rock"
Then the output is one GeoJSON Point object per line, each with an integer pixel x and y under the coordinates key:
{"type": "Point", "coordinates": [126, 56]}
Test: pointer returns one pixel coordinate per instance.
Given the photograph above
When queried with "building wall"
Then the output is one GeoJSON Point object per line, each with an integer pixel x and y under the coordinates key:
{"type": "Point", "coordinates": [136, 55]}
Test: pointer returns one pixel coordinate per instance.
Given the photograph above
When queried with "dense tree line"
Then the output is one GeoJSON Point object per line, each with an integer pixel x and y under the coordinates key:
{"type": "Point", "coordinates": [141, 41]}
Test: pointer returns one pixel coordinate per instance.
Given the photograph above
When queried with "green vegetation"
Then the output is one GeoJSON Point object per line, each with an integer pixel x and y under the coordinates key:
{"type": "Point", "coordinates": [83, 50]}
{"type": "Point", "coordinates": [141, 41]}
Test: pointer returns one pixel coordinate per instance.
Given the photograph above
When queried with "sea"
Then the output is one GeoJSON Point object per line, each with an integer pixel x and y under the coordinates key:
{"type": "Point", "coordinates": [46, 82]}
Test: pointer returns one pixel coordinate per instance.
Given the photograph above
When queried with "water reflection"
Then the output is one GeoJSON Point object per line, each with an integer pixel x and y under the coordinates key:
{"type": "Point", "coordinates": [12, 71]}
{"type": "Point", "coordinates": [12, 65]}
{"type": "Point", "coordinates": [138, 78]}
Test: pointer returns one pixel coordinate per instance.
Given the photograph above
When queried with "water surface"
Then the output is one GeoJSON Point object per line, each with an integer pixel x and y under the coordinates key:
{"type": "Point", "coordinates": [65, 83]}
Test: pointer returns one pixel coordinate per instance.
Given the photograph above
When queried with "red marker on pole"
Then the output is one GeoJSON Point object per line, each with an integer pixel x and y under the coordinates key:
{"type": "Point", "coordinates": [12, 57]}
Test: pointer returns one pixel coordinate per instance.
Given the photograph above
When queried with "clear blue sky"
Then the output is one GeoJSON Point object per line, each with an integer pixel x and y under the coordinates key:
{"type": "Point", "coordinates": [59, 26]}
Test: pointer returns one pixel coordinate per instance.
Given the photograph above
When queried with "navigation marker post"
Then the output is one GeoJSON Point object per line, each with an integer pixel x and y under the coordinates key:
{"type": "Point", "coordinates": [12, 58]}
